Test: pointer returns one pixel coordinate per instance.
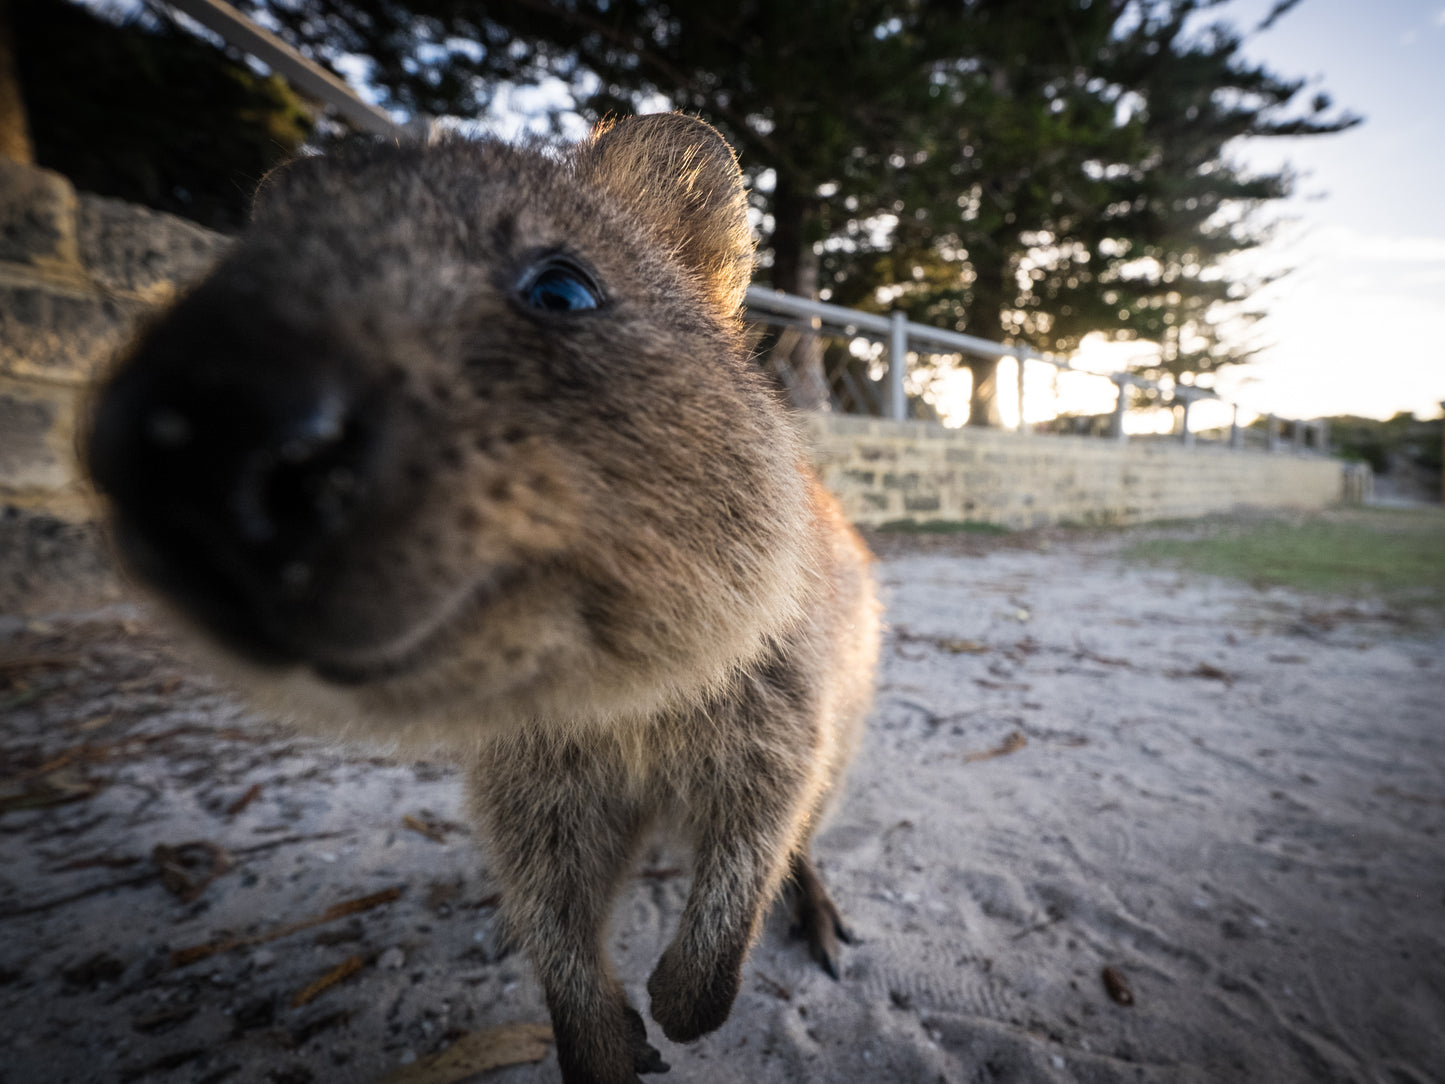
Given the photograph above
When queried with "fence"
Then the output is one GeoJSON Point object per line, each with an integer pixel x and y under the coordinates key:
{"type": "Point", "coordinates": [886, 395]}
{"type": "Point", "coordinates": [850, 390]}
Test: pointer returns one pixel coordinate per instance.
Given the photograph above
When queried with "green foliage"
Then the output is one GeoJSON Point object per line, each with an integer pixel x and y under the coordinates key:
{"type": "Point", "coordinates": [1378, 442]}
{"type": "Point", "coordinates": [1093, 191]}
{"type": "Point", "coordinates": [1398, 556]}
{"type": "Point", "coordinates": [1187, 205]}
{"type": "Point", "coordinates": [150, 114]}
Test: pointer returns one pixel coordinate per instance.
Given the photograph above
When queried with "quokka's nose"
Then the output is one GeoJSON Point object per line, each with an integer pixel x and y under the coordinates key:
{"type": "Point", "coordinates": [264, 474]}
{"type": "Point", "coordinates": [237, 457]}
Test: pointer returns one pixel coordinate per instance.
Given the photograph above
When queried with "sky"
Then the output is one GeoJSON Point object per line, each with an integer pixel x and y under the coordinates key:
{"type": "Point", "coordinates": [1359, 326]}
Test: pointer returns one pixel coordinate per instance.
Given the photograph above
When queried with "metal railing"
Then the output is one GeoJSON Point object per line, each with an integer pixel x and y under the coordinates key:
{"type": "Point", "coordinates": [895, 330]}
{"type": "Point", "coordinates": [307, 76]}
{"type": "Point", "coordinates": [899, 335]}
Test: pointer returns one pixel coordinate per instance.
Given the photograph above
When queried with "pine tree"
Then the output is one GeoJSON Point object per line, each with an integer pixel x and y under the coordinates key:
{"type": "Point", "coordinates": [1084, 185]}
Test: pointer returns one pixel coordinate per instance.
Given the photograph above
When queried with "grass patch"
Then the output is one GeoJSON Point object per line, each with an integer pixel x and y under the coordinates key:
{"type": "Point", "coordinates": [944, 526]}
{"type": "Point", "coordinates": [1392, 554]}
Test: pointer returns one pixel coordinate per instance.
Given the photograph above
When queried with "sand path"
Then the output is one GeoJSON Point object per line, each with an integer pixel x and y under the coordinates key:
{"type": "Point", "coordinates": [1234, 798]}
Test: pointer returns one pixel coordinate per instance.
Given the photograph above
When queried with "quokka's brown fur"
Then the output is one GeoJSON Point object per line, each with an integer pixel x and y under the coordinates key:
{"type": "Point", "coordinates": [417, 498]}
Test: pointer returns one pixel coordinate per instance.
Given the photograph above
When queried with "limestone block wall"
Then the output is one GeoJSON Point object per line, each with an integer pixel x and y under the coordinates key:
{"type": "Point", "coordinates": [76, 274]}
{"type": "Point", "coordinates": [885, 471]}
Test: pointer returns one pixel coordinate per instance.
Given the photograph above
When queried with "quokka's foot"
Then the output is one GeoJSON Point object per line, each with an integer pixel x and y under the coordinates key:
{"type": "Point", "coordinates": [616, 1054]}
{"type": "Point", "coordinates": [647, 1059]}
{"type": "Point", "coordinates": [816, 918]}
{"type": "Point", "coordinates": [688, 1000]}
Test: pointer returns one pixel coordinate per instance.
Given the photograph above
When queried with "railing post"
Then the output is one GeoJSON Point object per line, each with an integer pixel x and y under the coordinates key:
{"type": "Point", "coordinates": [1236, 434]}
{"type": "Point", "coordinates": [897, 363]}
{"type": "Point", "coordinates": [1322, 436]}
{"type": "Point", "coordinates": [1022, 363]}
{"type": "Point", "coordinates": [1297, 436]}
{"type": "Point", "coordinates": [1121, 385]}
{"type": "Point", "coordinates": [1272, 432]}
{"type": "Point", "coordinates": [1186, 435]}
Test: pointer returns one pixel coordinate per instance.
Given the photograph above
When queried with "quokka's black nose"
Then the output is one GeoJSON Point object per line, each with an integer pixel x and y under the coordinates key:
{"type": "Point", "coordinates": [238, 455]}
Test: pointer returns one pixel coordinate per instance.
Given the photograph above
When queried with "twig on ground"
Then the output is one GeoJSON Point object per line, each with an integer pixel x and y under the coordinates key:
{"type": "Point", "coordinates": [340, 973]}
{"type": "Point", "coordinates": [252, 793]}
{"type": "Point", "coordinates": [1205, 670]}
{"type": "Point", "coordinates": [510, 1044]}
{"type": "Point", "coordinates": [432, 832]}
{"type": "Point", "coordinates": [1011, 744]}
{"type": "Point", "coordinates": [186, 956]}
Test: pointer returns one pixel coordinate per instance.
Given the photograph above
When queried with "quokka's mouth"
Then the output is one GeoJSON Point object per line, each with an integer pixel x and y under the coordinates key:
{"type": "Point", "coordinates": [418, 647]}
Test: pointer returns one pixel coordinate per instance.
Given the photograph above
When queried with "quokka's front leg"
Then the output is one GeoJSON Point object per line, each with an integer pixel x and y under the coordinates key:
{"type": "Point", "coordinates": [561, 839]}
{"type": "Point", "coordinates": [744, 833]}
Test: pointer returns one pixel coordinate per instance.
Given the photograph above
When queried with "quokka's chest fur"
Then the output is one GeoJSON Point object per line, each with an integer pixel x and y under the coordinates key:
{"type": "Point", "coordinates": [461, 446]}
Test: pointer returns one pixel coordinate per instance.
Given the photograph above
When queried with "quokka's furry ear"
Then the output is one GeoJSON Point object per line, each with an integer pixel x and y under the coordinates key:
{"type": "Point", "coordinates": [679, 174]}
{"type": "Point", "coordinates": [278, 186]}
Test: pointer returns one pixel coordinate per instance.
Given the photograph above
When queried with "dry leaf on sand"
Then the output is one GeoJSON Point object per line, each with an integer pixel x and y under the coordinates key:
{"type": "Point", "coordinates": [1011, 744]}
{"type": "Point", "coordinates": [510, 1044]}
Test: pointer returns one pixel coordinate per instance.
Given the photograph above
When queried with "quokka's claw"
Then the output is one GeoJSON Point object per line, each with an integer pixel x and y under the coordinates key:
{"type": "Point", "coordinates": [828, 961]}
{"type": "Point", "coordinates": [816, 919]}
{"type": "Point", "coordinates": [648, 1058]}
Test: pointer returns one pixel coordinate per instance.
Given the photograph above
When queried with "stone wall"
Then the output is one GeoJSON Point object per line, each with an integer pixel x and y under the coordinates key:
{"type": "Point", "coordinates": [886, 471]}
{"type": "Point", "coordinates": [76, 274]}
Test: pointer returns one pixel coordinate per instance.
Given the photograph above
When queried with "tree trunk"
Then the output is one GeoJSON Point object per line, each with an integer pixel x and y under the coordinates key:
{"type": "Point", "coordinates": [795, 271]}
{"type": "Point", "coordinates": [14, 129]}
{"type": "Point", "coordinates": [985, 321]}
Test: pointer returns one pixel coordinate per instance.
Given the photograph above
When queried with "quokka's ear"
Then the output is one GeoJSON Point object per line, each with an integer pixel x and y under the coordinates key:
{"type": "Point", "coordinates": [280, 186]}
{"type": "Point", "coordinates": [679, 174]}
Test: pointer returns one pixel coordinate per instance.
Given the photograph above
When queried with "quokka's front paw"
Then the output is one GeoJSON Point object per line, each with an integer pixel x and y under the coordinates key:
{"type": "Point", "coordinates": [646, 1057]}
{"type": "Point", "coordinates": [613, 1054]}
{"type": "Point", "coordinates": [689, 998]}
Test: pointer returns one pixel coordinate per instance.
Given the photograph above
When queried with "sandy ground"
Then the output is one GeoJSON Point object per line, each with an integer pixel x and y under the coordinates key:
{"type": "Point", "coordinates": [1234, 799]}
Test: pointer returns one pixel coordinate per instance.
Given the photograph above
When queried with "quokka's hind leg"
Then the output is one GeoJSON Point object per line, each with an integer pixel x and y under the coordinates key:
{"type": "Point", "coordinates": [815, 916]}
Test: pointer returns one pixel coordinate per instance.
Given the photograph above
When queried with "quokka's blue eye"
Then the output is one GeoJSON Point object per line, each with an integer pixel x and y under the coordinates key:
{"type": "Point", "coordinates": [561, 287]}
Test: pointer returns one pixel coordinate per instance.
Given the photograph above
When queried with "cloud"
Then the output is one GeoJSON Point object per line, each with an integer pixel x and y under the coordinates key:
{"type": "Point", "coordinates": [1346, 244]}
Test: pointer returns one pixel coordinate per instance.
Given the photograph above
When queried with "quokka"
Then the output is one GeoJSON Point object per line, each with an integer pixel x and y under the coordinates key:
{"type": "Point", "coordinates": [461, 445]}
